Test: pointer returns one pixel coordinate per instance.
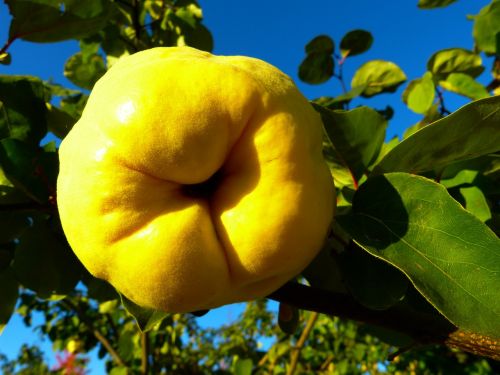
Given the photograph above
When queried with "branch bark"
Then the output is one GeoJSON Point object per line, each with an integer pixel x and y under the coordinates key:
{"type": "Point", "coordinates": [424, 328]}
{"type": "Point", "coordinates": [300, 344]}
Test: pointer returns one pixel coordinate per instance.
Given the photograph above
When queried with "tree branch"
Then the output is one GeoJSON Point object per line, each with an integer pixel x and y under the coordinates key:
{"type": "Point", "coordinates": [422, 327]}
{"type": "Point", "coordinates": [300, 344]}
{"type": "Point", "coordinates": [144, 353]}
{"type": "Point", "coordinates": [98, 335]}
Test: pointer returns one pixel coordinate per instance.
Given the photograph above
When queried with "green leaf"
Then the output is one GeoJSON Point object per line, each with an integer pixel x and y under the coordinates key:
{"type": "Point", "coordinates": [467, 133]}
{"type": "Point", "coordinates": [465, 85]}
{"type": "Point", "coordinates": [455, 60]}
{"type": "Point", "coordinates": [378, 76]}
{"type": "Point", "coordinates": [356, 135]}
{"type": "Point", "coordinates": [22, 108]}
{"type": "Point", "coordinates": [243, 366]}
{"type": "Point", "coordinates": [430, 4]}
{"type": "Point", "coordinates": [450, 256]}
{"type": "Point", "coordinates": [199, 37]}
{"type": "Point", "coordinates": [372, 282]}
{"type": "Point", "coordinates": [475, 202]}
{"type": "Point", "coordinates": [145, 318]}
{"type": "Point", "coordinates": [320, 44]}
{"type": "Point", "coordinates": [332, 103]}
{"type": "Point", "coordinates": [288, 318]}
{"type": "Point", "coordinates": [99, 289]}
{"type": "Point", "coordinates": [44, 261]}
{"type": "Point", "coordinates": [316, 68]}
{"type": "Point", "coordinates": [355, 42]}
{"type": "Point", "coordinates": [323, 272]}
{"type": "Point", "coordinates": [84, 71]}
{"type": "Point", "coordinates": [12, 224]}
{"type": "Point", "coordinates": [74, 105]}
{"type": "Point", "coordinates": [487, 27]}
{"type": "Point", "coordinates": [9, 291]}
{"type": "Point", "coordinates": [49, 21]}
{"type": "Point", "coordinates": [419, 94]}
{"type": "Point", "coordinates": [29, 168]}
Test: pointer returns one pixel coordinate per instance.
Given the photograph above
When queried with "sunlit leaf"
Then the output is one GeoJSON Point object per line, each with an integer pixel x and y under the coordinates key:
{"type": "Point", "coordinates": [450, 256]}
{"type": "Point", "coordinates": [487, 27]}
{"type": "Point", "coordinates": [455, 60]}
{"type": "Point", "coordinates": [465, 85]}
{"type": "Point", "coordinates": [471, 131]}
{"type": "Point", "coordinates": [378, 76]}
{"type": "Point", "coordinates": [419, 94]}
{"type": "Point", "coordinates": [84, 71]}
{"type": "Point", "coordinates": [145, 318]}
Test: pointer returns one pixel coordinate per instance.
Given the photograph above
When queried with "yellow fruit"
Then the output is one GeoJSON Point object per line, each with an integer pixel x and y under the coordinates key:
{"type": "Point", "coordinates": [193, 180]}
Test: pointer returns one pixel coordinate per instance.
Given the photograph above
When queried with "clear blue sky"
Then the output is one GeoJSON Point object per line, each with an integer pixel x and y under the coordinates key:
{"type": "Point", "coordinates": [276, 31]}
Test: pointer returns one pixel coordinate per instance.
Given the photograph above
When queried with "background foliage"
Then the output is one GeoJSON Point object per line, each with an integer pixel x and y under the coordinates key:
{"type": "Point", "coordinates": [413, 252]}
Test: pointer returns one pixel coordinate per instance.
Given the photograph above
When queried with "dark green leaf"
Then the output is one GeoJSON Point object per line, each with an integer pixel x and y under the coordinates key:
{"type": "Point", "coordinates": [486, 27]}
{"type": "Point", "coordinates": [22, 108]}
{"type": "Point", "coordinates": [84, 71]}
{"type": "Point", "coordinates": [9, 291]}
{"type": "Point", "coordinates": [8, 193]}
{"type": "Point", "coordinates": [323, 272]}
{"type": "Point", "coordinates": [199, 37]}
{"type": "Point", "coordinates": [455, 60]}
{"type": "Point", "coordinates": [12, 224]}
{"type": "Point", "coordinates": [29, 168]}
{"type": "Point", "coordinates": [378, 76]}
{"type": "Point", "coordinates": [243, 366]}
{"type": "Point", "coordinates": [74, 105]}
{"type": "Point", "coordinates": [356, 135]}
{"type": "Point", "coordinates": [465, 85]}
{"type": "Point", "coordinates": [44, 261]}
{"type": "Point", "coordinates": [342, 98]}
{"type": "Point", "coordinates": [355, 42]}
{"type": "Point", "coordinates": [320, 44]}
{"type": "Point", "coordinates": [419, 94]}
{"type": "Point", "coordinates": [145, 318]}
{"type": "Point", "coordinates": [372, 282]}
{"type": "Point", "coordinates": [467, 133]}
{"type": "Point", "coordinates": [99, 289]}
{"type": "Point", "coordinates": [450, 256]}
{"type": "Point", "coordinates": [430, 4]}
{"type": "Point", "coordinates": [316, 68]}
{"type": "Point", "coordinates": [288, 318]}
{"type": "Point", "coordinates": [49, 21]}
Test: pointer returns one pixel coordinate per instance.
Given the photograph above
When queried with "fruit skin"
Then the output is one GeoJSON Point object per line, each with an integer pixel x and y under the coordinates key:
{"type": "Point", "coordinates": [166, 118]}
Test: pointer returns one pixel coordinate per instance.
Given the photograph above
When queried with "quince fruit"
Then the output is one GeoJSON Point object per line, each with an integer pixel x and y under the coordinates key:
{"type": "Point", "coordinates": [193, 180]}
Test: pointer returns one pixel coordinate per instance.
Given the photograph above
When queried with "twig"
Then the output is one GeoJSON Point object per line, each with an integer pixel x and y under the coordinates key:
{"type": "Point", "coordinates": [442, 108]}
{"type": "Point", "coordinates": [98, 335]}
{"type": "Point", "coordinates": [144, 353]}
{"type": "Point", "coordinates": [295, 355]}
{"type": "Point", "coordinates": [425, 328]}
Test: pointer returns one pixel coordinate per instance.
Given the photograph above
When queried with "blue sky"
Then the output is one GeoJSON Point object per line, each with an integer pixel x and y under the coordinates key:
{"type": "Point", "coordinates": [276, 31]}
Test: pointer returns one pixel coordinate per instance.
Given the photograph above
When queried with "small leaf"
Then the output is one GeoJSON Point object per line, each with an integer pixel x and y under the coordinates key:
{"type": "Point", "coordinates": [476, 203]}
{"type": "Point", "coordinates": [451, 257]}
{"type": "Point", "coordinates": [145, 318]}
{"type": "Point", "coordinates": [5, 58]}
{"type": "Point", "coordinates": [199, 37]}
{"type": "Point", "coordinates": [8, 193]}
{"type": "Point", "coordinates": [430, 4]}
{"type": "Point", "coordinates": [356, 135]}
{"type": "Point", "coordinates": [487, 27]}
{"type": "Point", "coordinates": [320, 44]}
{"type": "Point", "coordinates": [22, 108]}
{"type": "Point", "coordinates": [465, 85]}
{"type": "Point", "coordinates": [46, 21]}
{"type": "Point", "coordinates": [419, 94]}
{"type": "Point", "coordinates": [355, 42]}
{"type": "Point", "coordinates": [378, 76]}
{"type": "Point", "coordinates": [288, 318]}
{"type": "Point", "coordinates": [59, 122]}
{"type": "Point", "coordinates": [474, 128]}
{"type": "Point", "coordinates": [372, 282]}
{"type": "Point", "coordinates": [243, 366]}
{"type": "Point", "coordinates": [9, 291]}
{"type": "Point", "coordinates": [316, 68]}
{"type": "Point", "coordinates": [84, 71]}
{"type": "Point", "coordinates": [455, 60]}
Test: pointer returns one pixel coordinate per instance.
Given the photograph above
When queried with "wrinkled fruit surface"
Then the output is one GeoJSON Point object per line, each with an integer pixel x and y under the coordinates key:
{"type": "Point", "coordinates": [193, 180]}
